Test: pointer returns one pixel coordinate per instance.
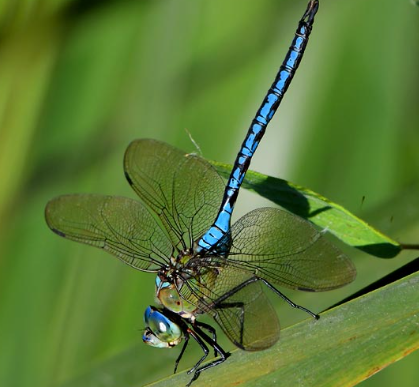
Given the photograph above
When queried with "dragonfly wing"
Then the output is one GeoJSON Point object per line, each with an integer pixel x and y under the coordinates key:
{"type": "Point", "coordinates": [244, 313]}
{"type": "Point", "coordinates": [122, 226]}
{"type": "Point", "coordinates": [184, 190]}
{"type": "Point", "coordinates": [248, 318]}
{"type": "Point", "coordinates": [285, 249]}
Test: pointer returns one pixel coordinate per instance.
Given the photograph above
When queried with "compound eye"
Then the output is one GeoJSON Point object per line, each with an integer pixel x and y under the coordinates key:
{"type": "Point", "coordinates": [160, 328]}
{"type": "Point", "coordinates": [150, 339]}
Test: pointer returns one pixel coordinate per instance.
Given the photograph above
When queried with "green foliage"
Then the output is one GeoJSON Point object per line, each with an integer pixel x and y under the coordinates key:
{"type": "Point", "coordinates": [79, 80]}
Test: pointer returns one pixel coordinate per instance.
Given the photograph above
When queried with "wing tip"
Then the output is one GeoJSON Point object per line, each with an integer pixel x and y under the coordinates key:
{"type": "Point", "coordinates": [128, 177]}
{"type": "Point", "coordinates": [58, 232]}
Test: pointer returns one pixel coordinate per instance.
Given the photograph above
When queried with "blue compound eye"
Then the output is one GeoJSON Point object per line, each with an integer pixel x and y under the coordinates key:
{"type": "Point", "coordinates": [161, 332]}
{"type": "Point", "coordinates": [150, 339]}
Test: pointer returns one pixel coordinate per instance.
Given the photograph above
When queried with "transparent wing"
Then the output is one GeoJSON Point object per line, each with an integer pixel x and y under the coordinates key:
{"type": "Point", "coordinates": [122, 226]}
{"type": "Point", "coordinates": [287, 250]}
{"type": "Point", "coordinates": [248, 318]}
{"type": "Point", "coordinates": [182, 189]}
{"type": "Point", "coordinates": [244, 313]}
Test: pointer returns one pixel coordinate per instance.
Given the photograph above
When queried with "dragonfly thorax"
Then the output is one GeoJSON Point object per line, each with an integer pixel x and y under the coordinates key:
{"type": "Point", "coordinates": [182, 258]}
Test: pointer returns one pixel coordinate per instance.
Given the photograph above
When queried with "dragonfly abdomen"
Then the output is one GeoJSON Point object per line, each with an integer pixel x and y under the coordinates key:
{"type": "Point", "coordinates": [270, 104]}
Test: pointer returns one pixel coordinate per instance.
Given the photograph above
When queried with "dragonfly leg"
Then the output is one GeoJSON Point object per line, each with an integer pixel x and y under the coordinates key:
{"type": "Point", "coordinates": [203, 347]}
{"type": "Point", "coordinates": [200, 336]}
{"type": "Point", "coordinates": [181, 352]}
{"type": "Point", "coordinates": [210, 329]}
{"type": "Point", "coordinates": [275, 290]}
{"type": "Point", "coordinates": [285, 298]}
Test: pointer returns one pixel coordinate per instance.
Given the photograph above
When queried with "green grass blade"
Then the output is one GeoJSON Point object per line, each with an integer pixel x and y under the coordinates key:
{"type": "Point", "coordinates": [319, 210]}
{"type": "Point", "coordinates": [347, 345]}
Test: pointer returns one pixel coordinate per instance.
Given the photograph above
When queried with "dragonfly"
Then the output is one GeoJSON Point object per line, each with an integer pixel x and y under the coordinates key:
{"type": "Point", "coordinates": [180, 229]}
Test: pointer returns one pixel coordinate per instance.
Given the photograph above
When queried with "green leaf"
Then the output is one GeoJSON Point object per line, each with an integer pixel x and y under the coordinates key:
{"type": "Point", "coordinates": [347, 345]}
{"type": "Point", "coordinates": [319, 210]}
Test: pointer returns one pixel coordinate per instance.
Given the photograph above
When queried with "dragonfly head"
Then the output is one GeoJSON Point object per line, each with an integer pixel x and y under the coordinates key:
{"type": "Point", "coordinates": [161, 331]}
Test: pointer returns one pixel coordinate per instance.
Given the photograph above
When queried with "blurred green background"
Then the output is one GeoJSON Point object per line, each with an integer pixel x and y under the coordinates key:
{"type": "Point", "coordinates": [80, 79]}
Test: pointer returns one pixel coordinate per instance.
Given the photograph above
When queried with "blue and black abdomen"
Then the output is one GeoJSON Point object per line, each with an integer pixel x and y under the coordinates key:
{"type": "Point", "coordinates": [257, 129]}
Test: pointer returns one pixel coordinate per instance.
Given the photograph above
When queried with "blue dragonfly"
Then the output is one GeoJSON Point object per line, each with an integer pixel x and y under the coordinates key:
{"type": "Point", "coordinates": [180, 230]}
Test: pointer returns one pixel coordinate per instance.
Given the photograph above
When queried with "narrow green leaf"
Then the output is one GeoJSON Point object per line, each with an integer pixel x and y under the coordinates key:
{"type": "Point", "coordinates": [319, 210]}
{"type": "Point", "coordinates": [347, 345]}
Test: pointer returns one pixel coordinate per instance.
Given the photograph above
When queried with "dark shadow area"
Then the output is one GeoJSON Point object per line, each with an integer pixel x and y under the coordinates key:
{"type": "Point", "coordinates": [381, 250]}
{"type": "Point", "coordinates": [280, 192]}
{"type": "Point", "coordinates": [80, 7]}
